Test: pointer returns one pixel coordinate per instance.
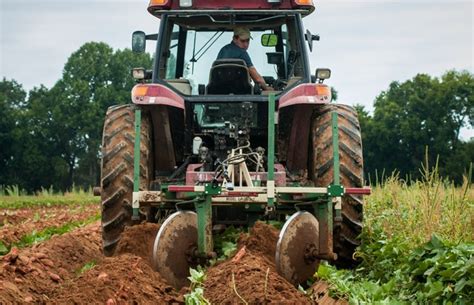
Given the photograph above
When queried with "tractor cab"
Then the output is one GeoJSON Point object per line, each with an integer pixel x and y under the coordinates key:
{"type": "Point", "coordinates": [192, 33]}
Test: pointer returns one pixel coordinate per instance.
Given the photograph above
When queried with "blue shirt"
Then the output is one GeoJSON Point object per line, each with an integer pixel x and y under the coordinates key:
{"type": "Point", "coordinates": [234, 51]}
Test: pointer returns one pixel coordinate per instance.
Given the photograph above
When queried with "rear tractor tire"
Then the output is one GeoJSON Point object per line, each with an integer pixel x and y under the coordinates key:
{"type": "Point", "coordinates": [351, 172]}
{"type": "Point", "coordinates": [117, 171]}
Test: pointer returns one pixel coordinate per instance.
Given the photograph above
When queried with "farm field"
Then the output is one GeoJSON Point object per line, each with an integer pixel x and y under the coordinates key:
{"type": "Point", "coordinates": [418, 248]}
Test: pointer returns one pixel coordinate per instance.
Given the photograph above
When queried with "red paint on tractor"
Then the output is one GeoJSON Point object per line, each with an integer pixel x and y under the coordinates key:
{"type": "Point", "coordinates": [358, 191]}
{"type": "Point", "coordinates": [157, 6]}
{"type": "Point", "coordinates": [156, 94]}
{"type": "Point", "coordinates": [304, 94]}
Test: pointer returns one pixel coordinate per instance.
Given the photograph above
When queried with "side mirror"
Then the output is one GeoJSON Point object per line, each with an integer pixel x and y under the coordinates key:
{"type": "Point", "coordinates": [310, 38]}
{"type": "Point", "coordinates": [322, 74]}
{"type": "Point", "coordinates": [269, 40]}
{"type": "Point", "coordinates": [138, 41]}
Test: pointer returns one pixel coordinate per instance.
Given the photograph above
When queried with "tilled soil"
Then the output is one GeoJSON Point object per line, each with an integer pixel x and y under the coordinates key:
{"type": "Point", "coordinates": [251, 275]}
{"type": "Point", "coordinates": [139, 240]}
{"type": "Point", "coordinates": [14, 216]}
{"type": "Point", "coordinates": [33, 274]}
{"type": "Point", "coordinates": [20, 222]}
{"type": "Point", "coordinates": [52, 272]}
{"type": "Point", "coordinates": [125, 279]}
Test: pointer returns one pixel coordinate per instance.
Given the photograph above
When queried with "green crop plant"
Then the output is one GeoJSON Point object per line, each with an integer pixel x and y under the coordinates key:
{"type": "Point", "coordinates": [196, 295]}
{"type": "Point", "coordinates": [417, 245]}
{"type": "Point", "coordinates": [225, 243]}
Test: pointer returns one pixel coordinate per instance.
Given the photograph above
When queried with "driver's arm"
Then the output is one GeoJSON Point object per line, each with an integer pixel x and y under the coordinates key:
{"type": "Point", "coordinates": [257, 78]}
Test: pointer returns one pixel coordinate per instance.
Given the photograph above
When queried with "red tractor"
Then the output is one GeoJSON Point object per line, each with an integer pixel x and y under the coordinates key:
{"type": "Point", "coordinates": [202, 147]}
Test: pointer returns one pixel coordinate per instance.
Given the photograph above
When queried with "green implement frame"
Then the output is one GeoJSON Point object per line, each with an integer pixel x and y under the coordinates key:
{"type": "Point", "coordinates": [325, 201]}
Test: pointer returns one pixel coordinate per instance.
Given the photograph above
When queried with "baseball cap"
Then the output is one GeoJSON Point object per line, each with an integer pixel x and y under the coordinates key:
{"type": "Point", "coordinates": [242, 32]}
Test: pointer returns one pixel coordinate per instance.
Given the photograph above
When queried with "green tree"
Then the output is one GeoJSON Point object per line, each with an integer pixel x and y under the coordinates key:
{"type": "Point", "coordinates": [410, 116]}
{"type": "Point", "coordinates": [12, 99]}
{"type": "Point", "coordinates": [94, 78]}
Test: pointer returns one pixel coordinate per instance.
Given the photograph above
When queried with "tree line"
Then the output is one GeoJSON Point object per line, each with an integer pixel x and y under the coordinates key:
{"type": "Point", "coordinates": [423, 114]}
{"type": "Point", "coordinates": [52, 137]}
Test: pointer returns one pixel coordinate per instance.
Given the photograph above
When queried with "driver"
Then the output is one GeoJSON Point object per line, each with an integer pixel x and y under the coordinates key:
{"type": "Point", "coordinates": [238, 49]}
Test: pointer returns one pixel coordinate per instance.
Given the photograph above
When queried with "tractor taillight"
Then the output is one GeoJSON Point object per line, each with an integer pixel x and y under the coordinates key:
{"type": "Point", "coordinates": [139, 91]}
{"type": "Point", "coordinates": [322, 90]}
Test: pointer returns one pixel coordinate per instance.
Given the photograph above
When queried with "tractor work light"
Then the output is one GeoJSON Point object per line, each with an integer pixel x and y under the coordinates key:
{"type": "Point", "coordinates": [185, 3]}
{"type": "Point", "coordinates": [138, 73]}
{"type": "Point", "coordinates": [322, 74]}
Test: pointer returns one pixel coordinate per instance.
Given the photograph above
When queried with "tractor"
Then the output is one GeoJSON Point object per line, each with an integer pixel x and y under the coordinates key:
{"type": "Point", "coordinates": [201, 147]}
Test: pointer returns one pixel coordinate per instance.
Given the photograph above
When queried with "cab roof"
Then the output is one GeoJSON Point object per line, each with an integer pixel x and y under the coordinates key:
{"type": "Point", "coordinates": [159, 7]}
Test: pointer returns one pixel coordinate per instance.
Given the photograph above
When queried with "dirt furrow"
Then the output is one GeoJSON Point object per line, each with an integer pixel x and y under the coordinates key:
{"type": "Point", "coordinates": [53, 272]}
{"type": "Point", "coordinates": [39, 219]}
{"type": "Point", "coordinates": [33, 274]}
{"type": "Point", "coordinates": [12, 216]}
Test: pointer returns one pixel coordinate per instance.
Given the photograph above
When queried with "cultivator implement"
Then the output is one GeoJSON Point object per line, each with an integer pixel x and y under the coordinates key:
{"type": "Point", "coordinates": [185, 238]}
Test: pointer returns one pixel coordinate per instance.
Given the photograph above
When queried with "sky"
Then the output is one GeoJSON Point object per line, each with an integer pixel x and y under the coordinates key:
{"type": "Point", "coordinates": [367, 44]}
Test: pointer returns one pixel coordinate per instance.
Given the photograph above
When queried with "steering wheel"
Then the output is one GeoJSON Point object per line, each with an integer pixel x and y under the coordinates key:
{"type": "Point", "coordinates": [257, 89]}
{"type": "Point", "coordinates": [279, 84]}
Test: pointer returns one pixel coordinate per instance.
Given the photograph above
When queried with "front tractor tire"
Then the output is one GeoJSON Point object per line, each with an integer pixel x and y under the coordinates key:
{"type": "Point", "coordinates": [346, 232]}
{"type": "Point", "coordinates": [118, 142]}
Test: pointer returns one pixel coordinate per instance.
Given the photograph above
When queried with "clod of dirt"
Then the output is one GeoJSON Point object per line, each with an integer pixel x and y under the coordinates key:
{"type": "Point", "coordinates": [262, 239]}
{"type": "Point", "coordinates": [252, 279]}
{"type": "Point", "coordinates": [138, 240]}
{"type": "Point", "coordinates": [125, 279]}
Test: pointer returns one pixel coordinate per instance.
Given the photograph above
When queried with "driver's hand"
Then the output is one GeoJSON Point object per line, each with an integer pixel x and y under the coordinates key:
{"type": "Point", "coordinates": [265, 87]}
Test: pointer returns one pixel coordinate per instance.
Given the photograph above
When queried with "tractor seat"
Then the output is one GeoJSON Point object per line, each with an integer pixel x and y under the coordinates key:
{"type": "Point", "coordinates": [229, 76]}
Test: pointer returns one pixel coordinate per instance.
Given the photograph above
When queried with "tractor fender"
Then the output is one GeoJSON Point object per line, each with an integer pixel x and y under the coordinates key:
{"type": "Point", "coordinates": [306, 94]}
{"type": "Point", "coordinates": [156, 94]}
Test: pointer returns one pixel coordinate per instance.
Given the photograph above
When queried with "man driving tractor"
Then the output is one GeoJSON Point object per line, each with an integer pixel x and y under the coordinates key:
{"type": "Point", "coordinates": [237, 49]}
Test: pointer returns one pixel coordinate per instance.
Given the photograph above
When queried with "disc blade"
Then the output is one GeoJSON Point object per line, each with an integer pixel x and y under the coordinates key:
{"type": "Point", "coordinates": [173, 243]}
{"type": "Point", "coordinates": [299, 234]}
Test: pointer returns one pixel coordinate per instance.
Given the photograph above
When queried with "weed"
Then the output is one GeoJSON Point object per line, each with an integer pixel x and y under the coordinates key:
{"type": "Point", "coordinates": [88, 266]}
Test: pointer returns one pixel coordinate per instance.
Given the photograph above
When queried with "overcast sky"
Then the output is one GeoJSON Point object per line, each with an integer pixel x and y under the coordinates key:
{"type": "Point", "coordinates": [367, 44]}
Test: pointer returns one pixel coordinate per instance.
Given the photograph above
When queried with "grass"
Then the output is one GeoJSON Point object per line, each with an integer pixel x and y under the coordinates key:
{"type": "Point", "coordinates": [417, 245]}
{"type": "Point", "coordinates": [43, 235]}
{"type": "Point", "coordinates": [87, 266]}
{"type": "Point", "coordinates": [12, 197]}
